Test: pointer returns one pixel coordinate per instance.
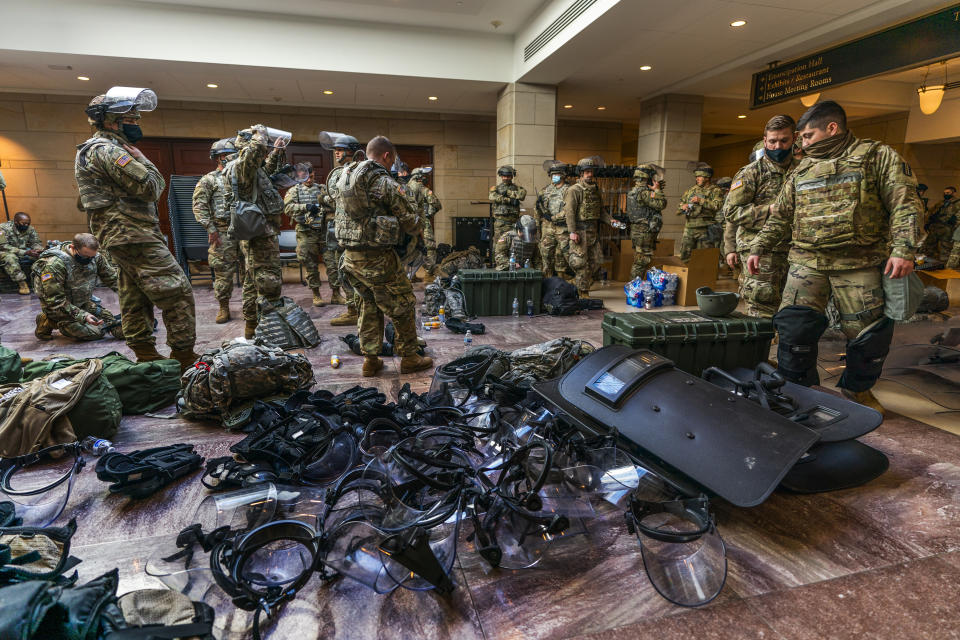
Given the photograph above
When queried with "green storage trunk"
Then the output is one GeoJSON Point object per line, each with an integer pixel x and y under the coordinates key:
{"type": "Point", "coordinates": [693, 340]}
{"type": "Point", "coordinates": [488, 292]}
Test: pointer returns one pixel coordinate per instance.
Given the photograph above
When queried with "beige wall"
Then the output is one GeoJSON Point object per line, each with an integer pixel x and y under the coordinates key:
{"type": "Point", "coordinates": [39, 134]}
{"type": "Point", "coordinates": [578, 139]}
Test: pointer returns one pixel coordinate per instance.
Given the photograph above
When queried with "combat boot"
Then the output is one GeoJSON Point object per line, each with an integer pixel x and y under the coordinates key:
{"type": "Point", "coordinates": [866, 398]}
{"type": "Point", "coordinates": [347, 318]}
{"type": "Point", "coordinates": [145, 351]}
{"type": "Point", "coordinates": [44, 330]}
{"type": "Point", "coordinates": [186, 357]}
{"type": "Point", "coordinates": [371, 366]}
{"type": "Point", "coordinates": [224, 314]}
{"type": "Point", "coordinates": [337, 297]}
{"type": "Point", "coordinates": [409, 364]}
{"type": "Point", "coordinates": [24, 289]}
{"type": "Point", "coordinates": [250, 326]}
{"type": "Point", "coordinates": [317, 298]}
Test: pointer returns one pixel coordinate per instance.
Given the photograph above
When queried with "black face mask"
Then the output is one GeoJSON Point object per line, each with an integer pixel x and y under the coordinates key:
{"type": "Point", "coordinates": [83, 259]}
{"type": "Point", "coordinates": [946, 196]}
{"type": "Point", "coordinates": [132, 132]}
{"type": "Point", "coordinates": [22, 228]}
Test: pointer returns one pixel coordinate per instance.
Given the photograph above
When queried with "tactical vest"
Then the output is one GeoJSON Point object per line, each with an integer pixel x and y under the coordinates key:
{"type": "Point", "coordinates": [81, 278]}
{"type": "Point", "coordinates": [504, 210]}
{"type": "Point", "coordinates": [218, 203]}
{"type": "Point", "coordinates": [99, 191]}
{"type": "Point", "coordinates": [639, 213]}
{"type": "Point", "coordinates": [836, 201]}
{"type": "Point", "coordinates": [266, 195]}
{"type": "Point", "coordinates": [522, 250]}
{"type": "Point", "coordinates": [357, 223]}
{"type": "Point", "coordinates": [591, 206]}
{"type": "Point", "coordinates": [309, 195]}
{"type": "Point", "coordinates": [552, 198]}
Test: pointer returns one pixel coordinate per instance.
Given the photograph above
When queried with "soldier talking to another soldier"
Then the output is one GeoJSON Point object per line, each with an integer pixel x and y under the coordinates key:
{"type": "Point", "coordinates": [19, 247]}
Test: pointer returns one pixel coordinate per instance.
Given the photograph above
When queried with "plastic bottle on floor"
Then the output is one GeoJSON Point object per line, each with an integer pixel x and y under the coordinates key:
{"type": "Point", "coordinates": [516, 308]}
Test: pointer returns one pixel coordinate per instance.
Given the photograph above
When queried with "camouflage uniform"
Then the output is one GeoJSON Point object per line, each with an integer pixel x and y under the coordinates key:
{"type": "Point", "coordinates": [252, 168]}
{"type": "Point", "coordinates": [427, 205]}
{"type": "Point", "coordinates": [210, 210]}
{"type": "Point", "coordinates": [65, 287]}
{"type": "Point", "coordinates": [329, 243]}
{"type": "Point", "coordinates": [644, 207]}
{"type": "Point", "coordinates": [552, 224]}
{"type": "Point", "coordinates": [942, 219]}
{"type": "Point", "coordinates": [583, 208]}
{"type": "Point", "coordinates": [370, 261]}
{"type": "Point", "coordinates": [351, 297]}
{"type": "Point", "coordinates": [847, 207]}
{"type": "Point", "coordinates": [745, 210]}
{"type": "Point", "coordinates": [953, 262]}
{"type": "Point", "coordinates": [514, 245]}
{"type": "Point", "coordinates": [119, 195]}
{"type": "Point", "coordinates": [506, 200]}
{"type": "Point", "coordinates": [13, 249]}
{"type": "Point", "coordinates": [311, 231]}
{"type": "Point", "coordinates": [700, 216]}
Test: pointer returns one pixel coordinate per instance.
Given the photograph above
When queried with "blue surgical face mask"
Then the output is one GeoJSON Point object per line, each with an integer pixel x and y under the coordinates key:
{"type": "Point", "coordinates": [556, 178]}
{"type": "Point", "coordinates": [132, 132]}
{"type": "Point", "coordinates": [779, 155]}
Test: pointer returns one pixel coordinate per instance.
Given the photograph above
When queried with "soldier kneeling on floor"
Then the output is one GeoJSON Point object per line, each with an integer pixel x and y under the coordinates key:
{"type": "Point", "coordinates": [64, 277]}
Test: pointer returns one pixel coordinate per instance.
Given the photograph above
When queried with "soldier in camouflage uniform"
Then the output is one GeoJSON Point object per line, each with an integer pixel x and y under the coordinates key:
{"type": "Point", "coordinates": [506, 198]}
{"type": "Point", "coordinates": [701, 204]}
{"type": "Point", "coordinates": [256, 160]}
{"type": "Point", "coordinates": [119, 189]}
{"type": "Point", "coordinates": [345, 148]}
{"type": "Point", "coordinates": [583, 209]}
{"type": "Point", "coordinates": [521, 243]}
{"type": "Point", "coordinates": [64, 278]}
{"type": "Point", "coordinates": [19, 247]}
{"type": "Point", "coordinates": [302, 205]}
{"type": "Point", "coordinates": [953, 261]}
{"type": "Point", "coordinates": [852, 212]}
{"type": "Point", "coordinates": [745, 211]}
{"type": "Point", "coordinates": [210, 210]}
{"type": "Point", "coordinates": [549, 217]}
{"type": "Point", "coordinates": [645, 204]}
{"type": "Point", "coordinates": [939, 226]}
{"type": "Point", "coordinates": [372, 212]}
{"type": "Point", "coordinates": [427, 204]}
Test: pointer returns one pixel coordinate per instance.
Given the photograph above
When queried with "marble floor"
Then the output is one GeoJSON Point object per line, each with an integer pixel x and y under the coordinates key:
{"type": "Point", "coordinates": [879, 561]}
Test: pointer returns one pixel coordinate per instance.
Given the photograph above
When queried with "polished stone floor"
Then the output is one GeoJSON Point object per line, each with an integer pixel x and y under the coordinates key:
{"type": "Point", "coordinates": [879, 561]}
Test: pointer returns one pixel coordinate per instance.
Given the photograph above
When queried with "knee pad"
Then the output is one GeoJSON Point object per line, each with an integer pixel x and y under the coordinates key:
{"type": "Point", "coordinates": [865, 356]}
{"type": "Point", "coordinates": [800, 329]}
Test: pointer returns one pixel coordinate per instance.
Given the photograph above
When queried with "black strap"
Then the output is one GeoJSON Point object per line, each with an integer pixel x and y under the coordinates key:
{"type": "Point", "coordinates": [201, 629]}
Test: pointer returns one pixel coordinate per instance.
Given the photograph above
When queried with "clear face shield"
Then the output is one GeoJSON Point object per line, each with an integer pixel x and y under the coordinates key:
{"type": "Point", "coordinates": [277, 138]}
{"type": "Point", "coordinates": [124, 99]}
{"type": "Point", "coordinates": [38, 485]}
{"type": "Point", "coordinates": [528, 230]}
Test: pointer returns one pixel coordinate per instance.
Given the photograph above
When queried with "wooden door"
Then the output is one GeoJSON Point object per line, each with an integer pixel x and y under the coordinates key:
{"type": "Point", "coordinates": [416, 156]}
{"type": "Point", "coordinates": [159, 153]}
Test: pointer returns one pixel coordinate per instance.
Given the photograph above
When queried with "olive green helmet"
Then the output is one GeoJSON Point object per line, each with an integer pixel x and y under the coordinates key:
{"type": "Point", "coordinates": [717, 303]}
{"type": "Point", "coordinates": [506, 170]}
{"type": "Point", "coordinates": [724, 182]}
{"type": "Point", "coordinates": [645, 170]}
{"type": "Point", "coordinates": [226, 146]}
{"type": "Point", "coordinates": [703, 170]}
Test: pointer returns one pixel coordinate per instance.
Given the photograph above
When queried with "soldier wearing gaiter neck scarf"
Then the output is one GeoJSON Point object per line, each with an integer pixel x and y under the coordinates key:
{"type": "Point", "coordinates": [851, 212]}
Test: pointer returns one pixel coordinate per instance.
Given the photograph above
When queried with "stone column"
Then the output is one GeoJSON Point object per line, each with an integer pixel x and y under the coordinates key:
{"type": "Point", "coordinates": [527, 133]}
{"type": "Point", "coordinates": [669, 135]}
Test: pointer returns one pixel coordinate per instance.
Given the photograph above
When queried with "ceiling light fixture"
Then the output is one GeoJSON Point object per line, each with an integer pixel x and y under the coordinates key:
{"type": "Point", "coordinates": [810, 99]}
{"type": "Point", "coordinates": [646, 67]}
{"type": "Point", "coordinates": [738, 23]}
{"type": "Point", "coordinates": [84, 78]}
{"type": "Point", "coordinates": [601, 108]}
{"type": "Point", "coordinates": [568, 106]}
{"type": "Point", "coordinates": [432, 98]}
{"type": "Point", "coordinates": [742, 117]}
{"type": "Point", "coordinates": [932, 95]}
{"type": "Point", "coordinates": [327, 92]}
{"type": "Point", "coordinates": [211, 85]}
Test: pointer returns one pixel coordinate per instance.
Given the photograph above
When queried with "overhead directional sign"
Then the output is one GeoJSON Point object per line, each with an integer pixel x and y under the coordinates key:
{"type": "Point", "coordinates": [923, 40]}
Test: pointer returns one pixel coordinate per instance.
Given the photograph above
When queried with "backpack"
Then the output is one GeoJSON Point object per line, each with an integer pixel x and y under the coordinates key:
{"type": "Point", "coordinates": [433, 299]}
{"type": "Point", "coordinates": [11, 365]}
{"type": "Point", "coordinates": [454, 305]}
{"type": "Point", "coordinates": [224, 382]}
{"type": "Point", "coordinates": [286, 326]}
{"type": "Point", "coordinates": [247, 220]}
{"type": "Point", "coordinates": [560, 297]}
{"type": "Point", "coordinates": [545, 361]}
{"type": "Point", "coordinates": [467, 259]}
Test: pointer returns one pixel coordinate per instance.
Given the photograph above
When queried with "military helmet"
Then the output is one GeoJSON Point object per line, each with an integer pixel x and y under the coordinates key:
{"type": "Point", "coordinates": [527, 228]}
{"type": "Point", "coordinates": [645, 170]}
{"type": "Point", "coordinates": [703, 170]}
{"type": "Point", "coordinates": [120, 102]}
{"type": "Point", "coordinates": [724, 182]}
{"type": "Point", "coordinates": [589, 163]}
{"type": "Point", "coordinates": [305, 167]}
{"type": "Point", "coordinates": [921, 186]}
{"type": "Point", "coordinates": [222, 147]}
{"type": "Point", "coordinates": [717, 303]}
{"type": "Point", "coordinates": [554, 166]}
{"type": "Point", "coordinates": [506, 170]}
{"type": "Point", "coordinates": [346, 142]}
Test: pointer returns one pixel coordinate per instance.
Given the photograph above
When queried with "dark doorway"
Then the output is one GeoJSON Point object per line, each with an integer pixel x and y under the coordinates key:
{"type": "Point", "coordinates": [416, 156]}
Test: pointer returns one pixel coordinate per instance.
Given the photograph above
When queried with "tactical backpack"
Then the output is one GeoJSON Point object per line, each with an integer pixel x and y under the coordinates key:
{"type": "Point", "coordinates": [11, 365]}
{"type": "Point", "coordinates": [286, 326]}
{"type": "Point", "coordinates": [247, 220]}
{"type": "Point", "coordinates": [470, 258]}
{"type": "Point", "coordinates": [224, 382]}
{"type": "Point", "coordinates": [433, 299]}
{"type": "Point", "coordinates": [560, 297]}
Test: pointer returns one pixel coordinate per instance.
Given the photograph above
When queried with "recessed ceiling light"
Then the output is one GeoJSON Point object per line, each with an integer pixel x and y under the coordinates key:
{"type": "Point", "coordinates": [84, 78]}
{"type": "Point", "coordinates": [211, 85]}
{"type": "Point", "coordinates": [601, 108]}
{"type": "Point", "coordinates": [432, 98]}
{"type": "Point", "coordinates": [327, 92]}
{"type": "Point", "coordinates": [646, 67]}
{"type": "Point", "coordinates": [742, 117]}
{"type": "Point", "coordinates": [568, 106]}
{"type": "Point", "coordinates": [738, 23]}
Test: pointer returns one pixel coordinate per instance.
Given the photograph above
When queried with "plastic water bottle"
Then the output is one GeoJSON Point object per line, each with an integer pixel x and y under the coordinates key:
{"type": "Point", "coordinates": [467, 341]}
{"type": "Point", "coordinates": [516, 308]}
{"type": "Point", "coordinates": [530, 308]}
{"type": "Point", "coordinates": [97, 446]}
{"type": "Point", "coordinates": [603, 278]}
{"type": "Point", "coordinates": [513, 261]}
{"type": "Point", "coordinates": [442, 316]}
{"type": "Point", "coordinates": [526, 263]}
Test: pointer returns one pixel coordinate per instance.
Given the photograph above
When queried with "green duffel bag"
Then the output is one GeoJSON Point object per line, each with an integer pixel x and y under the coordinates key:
{"type": "Point", "coordinates": [902, 297]}
{"type": "Point", "coordinates": [10, 365]}
{"type": "Point", "coordinates": [145, 386]}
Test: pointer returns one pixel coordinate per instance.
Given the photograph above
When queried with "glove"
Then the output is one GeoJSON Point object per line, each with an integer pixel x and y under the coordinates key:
{"type": "Point", "coordinates": [313, 208]}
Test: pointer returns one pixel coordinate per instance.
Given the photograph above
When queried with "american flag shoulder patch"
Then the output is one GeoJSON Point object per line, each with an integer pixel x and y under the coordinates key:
{"type": "Point", "coordinates": [736, 184]}
{"type": "Point", "coordinates": [46, 276]}
{"type": "Point", "coordinates": [124, 160]}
